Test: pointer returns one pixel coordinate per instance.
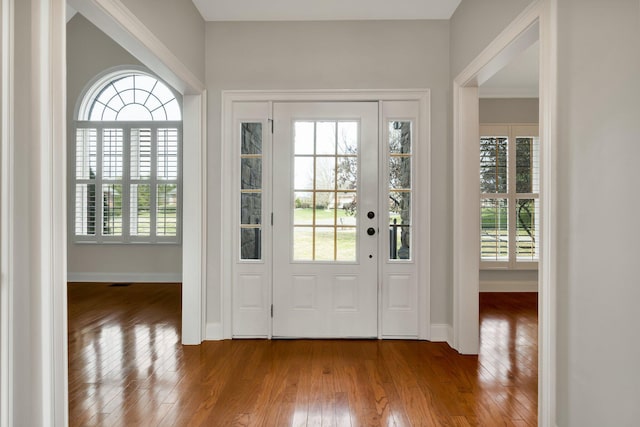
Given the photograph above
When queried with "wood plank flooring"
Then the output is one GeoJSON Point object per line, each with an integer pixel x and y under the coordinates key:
{"type": "Point", "coordinates": [127, 368]}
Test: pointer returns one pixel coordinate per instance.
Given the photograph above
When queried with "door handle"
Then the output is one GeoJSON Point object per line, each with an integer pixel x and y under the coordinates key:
{"type": "Point", "coordinates": [371, 231]}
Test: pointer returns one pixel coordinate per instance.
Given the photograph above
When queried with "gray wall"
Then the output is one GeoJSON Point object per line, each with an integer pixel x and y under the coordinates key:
{"type": "Point", "coordinates": [598, 205]}
{"type": "Point", "coordinates": [89, 53]}
{"type": "Point", "coordinates": [509, 110]}
{"type": "Point", "coordinates": [475, 24]}
{"type": "Point", "coordinates": [178, 25]}
{"type": "Point", "coordinates": [335, 55]}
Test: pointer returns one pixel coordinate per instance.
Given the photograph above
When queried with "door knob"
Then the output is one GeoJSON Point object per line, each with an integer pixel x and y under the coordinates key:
{"type": "Point", "coordinates": [371, 231]}
{"type": "Point", "coordinates": [371, 215]}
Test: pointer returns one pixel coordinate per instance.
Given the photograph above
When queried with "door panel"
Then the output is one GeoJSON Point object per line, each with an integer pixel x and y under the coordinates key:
{"type": "Point", "coordinates": [325, 242]}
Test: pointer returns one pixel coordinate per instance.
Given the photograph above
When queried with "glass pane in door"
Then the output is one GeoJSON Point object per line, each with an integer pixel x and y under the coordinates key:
{"type": "Point", "coordinates": [325, 190]}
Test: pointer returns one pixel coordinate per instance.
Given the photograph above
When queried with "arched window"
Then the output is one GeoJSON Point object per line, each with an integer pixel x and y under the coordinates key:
{"type": "Point", "coordinates": [128, 161]}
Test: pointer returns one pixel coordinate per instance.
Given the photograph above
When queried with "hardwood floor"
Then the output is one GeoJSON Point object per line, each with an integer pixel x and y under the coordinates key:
{"type": "Point", "coordinates": [127, 368]}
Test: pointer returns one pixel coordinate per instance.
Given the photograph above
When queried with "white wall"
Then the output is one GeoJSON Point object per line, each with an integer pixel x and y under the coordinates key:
{"type": "Point", "coordinates": [335, 55]}
{"type": "Point", "coordinates": [177, 24]}
{"type": "Point", "coordinates": [598, 282]}
{"type": "Point", "coordinates": [89, 53]}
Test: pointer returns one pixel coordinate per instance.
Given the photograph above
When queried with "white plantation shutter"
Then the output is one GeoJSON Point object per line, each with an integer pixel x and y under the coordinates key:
{"type": "Point", "coordinates": [127, 162]}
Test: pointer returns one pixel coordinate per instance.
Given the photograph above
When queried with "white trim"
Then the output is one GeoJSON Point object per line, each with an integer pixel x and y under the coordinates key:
{"type": "Point", "coordinates": [549, 215]}
{"type": "Point", "coordinates": [441, 332]}
{"type": "Point", "coordinates": [508, 286]}
{"type": "Point", "coordinates": [48, 246]}
{"type": "Point", "coordinates": [214, 332]}
{"type": "Point", "coordinates": [100, 277]}
{"type": "Point", "coordinates": [226, 259]}
{"type": "Point", "coordinates": [539, 14]}
{"type": "Point", "coordinates": [514, 92]}
{"type": "Point", "coordinates": [117, 21]}
{"type": "Point", "coordinates": [6, 214]}
{"type": "Point", "coordinates": [194, 219]}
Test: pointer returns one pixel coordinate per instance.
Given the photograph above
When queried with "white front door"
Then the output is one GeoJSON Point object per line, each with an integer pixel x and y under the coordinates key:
{"type": "Point", "coordinates": [325, 223]}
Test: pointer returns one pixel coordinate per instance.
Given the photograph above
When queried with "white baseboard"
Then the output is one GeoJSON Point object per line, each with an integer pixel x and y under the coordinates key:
{"type": "Point", "coordinates": [509, 286]}
{"type": "Point", "coordinates": [213, 332]}
{"type": "Point", "coordinates": [125, 277]}
{"type": "Point", "coordinates": [442, 333]}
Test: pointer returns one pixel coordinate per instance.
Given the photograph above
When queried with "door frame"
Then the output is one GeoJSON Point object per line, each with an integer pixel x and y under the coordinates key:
{"type": "Point", "coordinates": [422, 96]}
{"type": "Point", "coordinates": [539, 20]}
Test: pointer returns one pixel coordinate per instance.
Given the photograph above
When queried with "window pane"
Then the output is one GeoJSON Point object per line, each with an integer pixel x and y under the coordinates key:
{"type": "Point", "coordinates": [527, 229]}
{"type": "Point", "coordinates": [250, 243]}
{"type": "Point", "coordinates": [400, 225]}
{"type": "Point", "coordinates": [527, 165]}
{"type": "Point", "coordinates": [85, 210]}
{"type": "Point", "coordinates": [251, 208]}
{"type": "Point", "coordinates": [168, 154]}
{"type": "Point", "coordinates": [140, 210]}
{"type": "Point", "coordinates": [140, 154]}
{"type": "Point", "coordinates": [326, 138]}
{"type": "Point", "coordinates": [112, 153]}
{"type": "Point", "coordinates": [251, 138]}
{"type": "Point", "coordinates": [304, 140]}
{"type": "Point", "coordinates": [325, 173]}
{"type": "Point", "coordinates": [303, 173]}
{"type": "Point", "coordinates": [303, 243]}
{"type": "Point", "coordinates": [167, 210]}
{"type": "Point", "coordinates": [399, 172]}
{"type": "Point", "coordinates": [86, 154]}
{"type": "Point", "coordinates": [302, 210]}
{"type": "Point", "coordinates": [112, 210]}
{"type": "Point", "coordinates": [400, 189]}
{"type": "Point", "coordinates": [400, 137]}
{"type": "Point", "coordinates": [325, 244]}
{"type": "Point", "coordinates": [347, 173]}
{"type": "Point", "coordinates": [494, 230]}
{"type": "Point", "coordinates": [493, 165]}
{"type": "Point", "coordinates": [347, 138]}
{"type": "Point", "coordinates": [251, 173]}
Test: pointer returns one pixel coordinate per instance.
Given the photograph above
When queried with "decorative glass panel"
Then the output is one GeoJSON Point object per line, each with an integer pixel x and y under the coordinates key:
{"type": "Point", "coordinates": [324, 217]}
{"type": "Point", "coordinates": [494, 230]}
{"type": "Point", "coordinates": [400, 184]}
{"type": "Point", "coordinates": [527, 217]}
{"type": "Point", "coordinates": [250, 191]}
{"type": "Point", "coordinates": [493, 164]}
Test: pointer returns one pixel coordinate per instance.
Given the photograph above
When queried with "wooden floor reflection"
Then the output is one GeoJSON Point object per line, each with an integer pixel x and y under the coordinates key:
{"type": "Point", "coordinates": [127, 368]}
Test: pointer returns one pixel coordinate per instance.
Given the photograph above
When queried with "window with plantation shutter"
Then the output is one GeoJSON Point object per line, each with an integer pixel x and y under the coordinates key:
{"type": "Point", "coordinates": [509, 196]}
{"type": "Point", "coordinates": [128, 162]}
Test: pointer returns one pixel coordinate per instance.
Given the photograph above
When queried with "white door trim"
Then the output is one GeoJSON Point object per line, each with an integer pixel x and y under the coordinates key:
{"type": "Point", "coordinates": [538, 17]}
{"type": "Point", "coordinates": [119, 23]}
{"type": "Point", "coordinates": [422, 96]}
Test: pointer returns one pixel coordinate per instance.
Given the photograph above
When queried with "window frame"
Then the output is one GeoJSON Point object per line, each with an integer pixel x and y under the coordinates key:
{"type": "Point", "coordinates": [84, 106]}
{"type": "Point", "coordinates": [511, 131]}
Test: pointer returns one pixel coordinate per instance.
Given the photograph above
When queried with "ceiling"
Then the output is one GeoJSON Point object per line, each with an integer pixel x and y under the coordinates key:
{"type": "Point", "coordinates": [324, 10]}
